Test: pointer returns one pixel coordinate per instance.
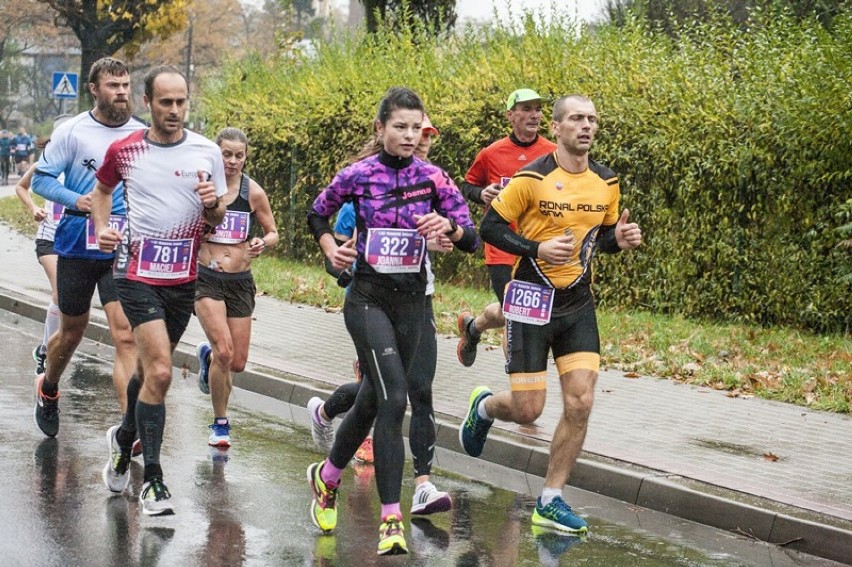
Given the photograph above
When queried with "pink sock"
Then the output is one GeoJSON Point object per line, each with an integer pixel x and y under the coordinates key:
{"type": "Point", "coordinates": [391, 510]}
{"type": "Point", "coordinates": [330, 474]}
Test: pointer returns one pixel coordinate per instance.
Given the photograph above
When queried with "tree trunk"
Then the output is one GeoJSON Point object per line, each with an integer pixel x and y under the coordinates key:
{"type": "Point", "coordinates": [370, 7]}
{"type": "Point", "coordinates": [88, 55]}
{"type": "Point", "coordinates": [91, 46]}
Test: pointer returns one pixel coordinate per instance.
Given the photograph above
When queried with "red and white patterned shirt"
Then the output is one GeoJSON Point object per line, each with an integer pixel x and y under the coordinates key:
{"type": "Point", "coordinates": [165, 216]}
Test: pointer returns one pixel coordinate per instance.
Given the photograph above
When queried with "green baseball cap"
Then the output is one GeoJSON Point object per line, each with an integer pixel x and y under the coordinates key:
{"type": "Point", "coordinates": [521, 95]}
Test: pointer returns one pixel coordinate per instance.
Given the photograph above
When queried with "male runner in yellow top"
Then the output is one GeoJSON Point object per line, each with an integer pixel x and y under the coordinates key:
{"type": "Point", "coordinates": [565, 206]}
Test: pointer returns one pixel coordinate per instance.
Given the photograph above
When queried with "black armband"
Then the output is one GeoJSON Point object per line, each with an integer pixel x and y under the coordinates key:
{"type": "Point", "coordinates": [495, 230]}
{"type": "Point", "coordinates": [472, 193]}
{"type": "Point", "coordinates": [318, 225]}
{"type": "Point", "coordinates": [607, 241]}
{"type": "Point", "coordinates": [468, 242]}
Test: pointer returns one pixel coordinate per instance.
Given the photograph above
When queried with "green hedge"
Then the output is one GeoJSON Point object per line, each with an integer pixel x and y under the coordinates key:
{"type": "Point", "coordinates": [733, 145]}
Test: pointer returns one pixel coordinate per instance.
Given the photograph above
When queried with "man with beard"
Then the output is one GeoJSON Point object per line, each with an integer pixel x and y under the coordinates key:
{"type": "Point", "coordinates": [76, 150]}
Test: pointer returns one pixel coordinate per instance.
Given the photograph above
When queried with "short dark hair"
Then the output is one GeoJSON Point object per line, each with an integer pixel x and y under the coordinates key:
{"type": "Point", "coordinates": [107, 66]}
{"type": "Point", "coordinates": [155, 72]}
{"type": "Point", "coordinates": [396, 98]}
{"type": "Point", "coordinates": [559, 105]}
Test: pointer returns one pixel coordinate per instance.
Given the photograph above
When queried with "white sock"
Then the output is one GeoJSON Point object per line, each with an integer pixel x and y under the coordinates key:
{"type": "Point", "coordinates": [51, 322]}
{"type": "Point", "coordinates": [548, 494]}
{"type": "Point", "coordinates": [480, 410]}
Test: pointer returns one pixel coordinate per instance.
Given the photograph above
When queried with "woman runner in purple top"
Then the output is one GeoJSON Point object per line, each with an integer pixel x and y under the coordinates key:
{"type": "Point", "coordinates": [400, 201]}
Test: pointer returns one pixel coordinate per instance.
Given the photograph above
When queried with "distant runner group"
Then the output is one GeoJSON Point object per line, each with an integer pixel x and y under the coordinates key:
{"type": "Point", "coordinates": [164, 223]}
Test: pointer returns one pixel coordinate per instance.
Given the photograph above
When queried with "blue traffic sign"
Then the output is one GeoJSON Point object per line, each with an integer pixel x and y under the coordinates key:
{"type": "Point", "coordinates": [64, 85]}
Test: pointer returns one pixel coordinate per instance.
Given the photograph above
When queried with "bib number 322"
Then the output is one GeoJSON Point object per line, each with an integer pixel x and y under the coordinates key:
{"type": "Point", "coordinates": [395, 250]}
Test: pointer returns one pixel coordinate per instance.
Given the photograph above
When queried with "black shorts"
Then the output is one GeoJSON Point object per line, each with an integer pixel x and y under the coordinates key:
{"type": "Point", "coordinates": [170, 303]}
{"type": "Point", "coordinates": [500, 275]}
{"type": "Point", "coordinates": [236, 290]}
{"type": "Point", "coordinates": [44, 247]}
{"type": "Point", "coordinates": [573, 339]}
{"type": "Point", "coordinates": [76, 279]}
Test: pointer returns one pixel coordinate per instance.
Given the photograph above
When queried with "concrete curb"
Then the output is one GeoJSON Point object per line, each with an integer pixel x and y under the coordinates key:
{"type": "Point", "coordinates": [519, 463]}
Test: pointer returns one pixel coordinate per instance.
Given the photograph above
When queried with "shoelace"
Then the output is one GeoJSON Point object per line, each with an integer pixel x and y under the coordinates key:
{"type": "Point", "coordinates": [477, 423]}
{"type": "Point", "coordinates": [221, 429]}
{"type": "Point", "coordinates": [391, 528]}
{"type": "Point", "coordinates": [159, 489]}
{"type": "Point", "coordinates": [469, 340]}
{"type": "Point", "coordinates": [120, 462]}
{"type": "Point", "coordinates": [327, 496]}
{"type": "Point", "coordinates": [558, 508]}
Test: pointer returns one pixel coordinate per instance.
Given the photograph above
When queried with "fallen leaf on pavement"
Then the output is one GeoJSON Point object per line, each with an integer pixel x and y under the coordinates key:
{"type": "Point", "coordinates": [631, 375]}
{"type": "Point", "coordinates": [771, 457]}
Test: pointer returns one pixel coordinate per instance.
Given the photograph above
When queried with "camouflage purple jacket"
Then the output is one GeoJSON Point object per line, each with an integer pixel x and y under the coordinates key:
{"type": "Point", "coordinates": [388, 192]}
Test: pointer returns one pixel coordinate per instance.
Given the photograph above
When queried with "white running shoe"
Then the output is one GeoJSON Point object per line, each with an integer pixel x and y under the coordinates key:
{"type": "Point", "coordinates": [117, 470]}
{"type": "Point", "coordinates": [322, 432]}
{"type": "Point", "coordinates": [429, 500]}
{"type": "Point", "coordinates": [220, 434]}
{"type": "Point", "coordinates": [156, 498]}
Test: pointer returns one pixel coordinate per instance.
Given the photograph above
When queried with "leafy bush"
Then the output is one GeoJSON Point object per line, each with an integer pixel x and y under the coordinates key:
{"type": "Point", "coordinates": [732, 144]}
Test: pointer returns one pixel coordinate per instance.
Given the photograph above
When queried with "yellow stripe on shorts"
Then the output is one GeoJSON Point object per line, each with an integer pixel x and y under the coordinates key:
{"type": "Point", "coordinates": [522, 382]}
{"type": "Point", "coordinates": [578, 361]}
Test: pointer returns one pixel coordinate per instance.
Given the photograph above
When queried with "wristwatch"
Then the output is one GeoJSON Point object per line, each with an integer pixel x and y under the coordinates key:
{"type": "Point", "coordinates": [453, 227]}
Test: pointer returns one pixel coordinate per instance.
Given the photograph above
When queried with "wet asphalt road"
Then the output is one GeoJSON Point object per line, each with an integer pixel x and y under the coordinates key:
{"type": "Point", "coordinates": [249, 505]}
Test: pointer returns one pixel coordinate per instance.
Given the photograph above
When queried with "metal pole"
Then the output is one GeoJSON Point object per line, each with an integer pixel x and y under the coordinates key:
{"type": "Point", "coordinates": [189, 56]}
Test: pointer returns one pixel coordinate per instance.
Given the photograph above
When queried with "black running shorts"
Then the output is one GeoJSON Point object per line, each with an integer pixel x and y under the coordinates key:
{"type": "Point", "coordinates": [144, 302]}
{"type": "Point", "coordinates": [76, 279]}
{"type": "Point", "coordinates": [44, 247]}
{"type": "Point", "coordinates": [236, 290]}
{"type": "Point", "coordinates": [573, 339]}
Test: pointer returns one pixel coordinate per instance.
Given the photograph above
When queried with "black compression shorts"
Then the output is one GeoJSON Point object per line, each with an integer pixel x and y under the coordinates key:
{"type": "Point", "coordinates": [573, 339]}
{"type": "Point", "coordinates": [144, 302]}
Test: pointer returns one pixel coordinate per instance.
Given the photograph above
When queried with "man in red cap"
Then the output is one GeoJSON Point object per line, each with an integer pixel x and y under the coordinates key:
{"type": "Point", "coordinates": [490, 172]}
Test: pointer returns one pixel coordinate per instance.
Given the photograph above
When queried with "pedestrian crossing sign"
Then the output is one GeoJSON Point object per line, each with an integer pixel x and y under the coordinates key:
{"type": "Point", "coordinates": [64, 85]}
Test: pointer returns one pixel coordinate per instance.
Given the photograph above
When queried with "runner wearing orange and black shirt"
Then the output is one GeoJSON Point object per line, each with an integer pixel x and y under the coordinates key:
{"type": "Point", "coordinates": [566, 208]}
{"type": "Point", "coordinates": [490, 172]}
